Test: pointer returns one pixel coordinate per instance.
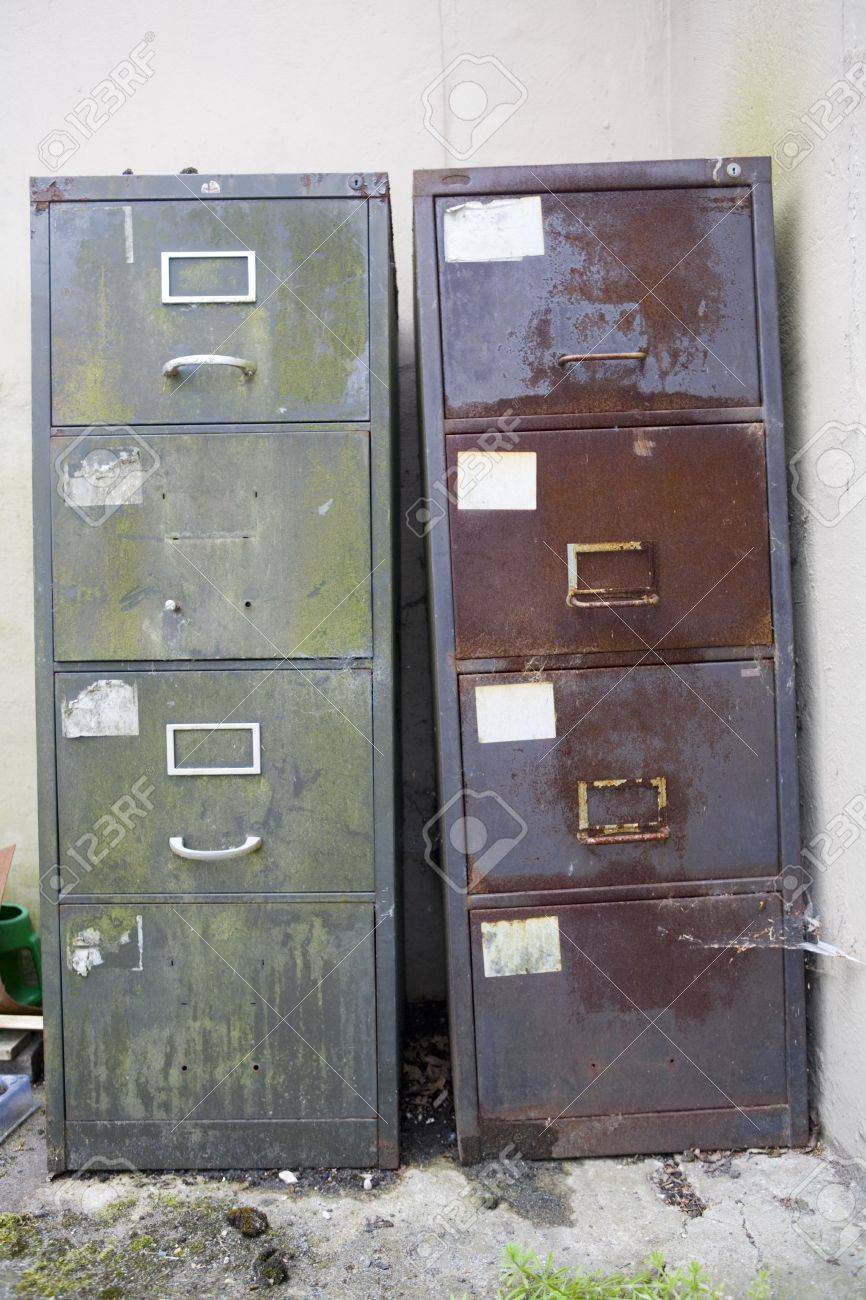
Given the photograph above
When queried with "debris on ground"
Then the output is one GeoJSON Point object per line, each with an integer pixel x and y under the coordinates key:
{"type": "Point", "coordinates": [336, 1182]}
{"type": "Point", "coordinates": [248, 1221]}
{"type": "Point", "coordinates": [677, 1190]}
{"type": "Point", "coordinates": [427, 1101]}
{"type": "Point", "coordinates": [373, 1225]}
{"type": "Point", "coordinates": [271, 1267]}
{"type": "Point", "coordinates": [719, 1164]}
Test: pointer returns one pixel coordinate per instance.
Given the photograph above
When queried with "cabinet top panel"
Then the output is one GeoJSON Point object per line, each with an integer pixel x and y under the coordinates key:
{"type": "Point", "coordinates": [592, 176]}
{"type": "Point", "coordinates": [206, 185]}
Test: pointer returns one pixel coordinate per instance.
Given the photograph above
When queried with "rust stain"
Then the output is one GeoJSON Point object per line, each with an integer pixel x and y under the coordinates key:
{"type": "Point", "coordinates": [42, 196]}
{"type": "Point", "coordinates": [690, 342]}
{"type": "Point", "coordinates": [697, 506]}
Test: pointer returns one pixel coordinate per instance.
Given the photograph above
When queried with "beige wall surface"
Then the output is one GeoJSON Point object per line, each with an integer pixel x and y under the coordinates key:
{"type": "Point", "coordinates": [284, 86]}
{"type": "Point", "coordinates": [753, 77]}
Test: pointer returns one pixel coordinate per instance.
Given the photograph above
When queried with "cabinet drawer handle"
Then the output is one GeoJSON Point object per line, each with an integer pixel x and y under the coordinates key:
{"type": "Point", "coordinates": [569, 358]}
{"type": "Point", "coordinates": [250, 844]}
{"type": "Point", "coordinates": [583, 594]}
{"type": "Point", "coordinates": [171, 369]}
{"type": "Point", "coordinates": [623, 832]}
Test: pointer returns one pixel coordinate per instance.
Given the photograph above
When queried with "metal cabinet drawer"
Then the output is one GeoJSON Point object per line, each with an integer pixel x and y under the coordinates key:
{"type": "Point", "coordinates": [658, 285]}
{"type": "Point", "coordinates": [173, 1012]}
{"type": "Point", "coordinates": [167, 780]}
{"type": "Point", "coordinates": [607, 540]}
{"type": "Point", "coordinates": [210, 545]}
{"type": "Point", "coordinates": [565, 1001]}
{"type": "Point", "coordinates": [621, 776]}
{"type": "Point", "coordinates": [277, 284]}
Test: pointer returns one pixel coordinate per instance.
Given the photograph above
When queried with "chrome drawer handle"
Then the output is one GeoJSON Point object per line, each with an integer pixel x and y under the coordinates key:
{"type": "Point", "coordinates": [569, 358]}
{"type": "Point", "coordinates": [250, 844]}
{"type": "Point", "coordinates": [171, 369]}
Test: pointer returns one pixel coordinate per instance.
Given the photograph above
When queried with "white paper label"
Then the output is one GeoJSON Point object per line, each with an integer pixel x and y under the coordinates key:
{"type": "Point", "coordinates": [521, 947]}
{"type": "Point", "coordinates": [502, 230]}
{"type": "Point", "coordinates": [524, 711]}
{"type": "Point", "coordinates": [496, 480]}
{"type": "Point", "coordinates": [105, 708]}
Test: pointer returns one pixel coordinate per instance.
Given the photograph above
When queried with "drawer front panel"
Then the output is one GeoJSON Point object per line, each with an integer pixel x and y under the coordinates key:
{"type": "Point", "coordinates": [155, 768]}
{"type": "Point", "coordinates": [260, 544]}
{"type": "Point", "coordinates": [564, 999]}
{"type": "Point", "coordinates": [624, 776]}
{"type": "Point", "coordinates": [173, 1012]}
{"type": "Point", "coordinates": [611, 540]}
{"type": "Point", "coordinates": [658, 284]}
{"type": "Point", "coordinates": [127, 301]}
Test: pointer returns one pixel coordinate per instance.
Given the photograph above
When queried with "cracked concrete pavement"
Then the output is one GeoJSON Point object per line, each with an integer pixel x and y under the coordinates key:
{"type": "Point", "coordinates": [436, 1229]}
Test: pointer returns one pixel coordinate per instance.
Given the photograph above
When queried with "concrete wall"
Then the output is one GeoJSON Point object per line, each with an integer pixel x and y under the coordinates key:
{"type": "Point", "coordinates": [289, 86]}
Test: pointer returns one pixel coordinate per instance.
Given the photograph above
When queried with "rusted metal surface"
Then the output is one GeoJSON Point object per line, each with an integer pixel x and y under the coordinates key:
{"type": "Point", "coordinates": [668, 273]}
{"type": "Point", "coordinates": [686, 173]}
{"type": "Point", "coordinates": [44, 192]}
{"type": "Point", "coordinates": [578, 1041]}
{"type": "Point", "coordinates": [700, 733]}
{"type": "Point", "coordinates": [675, 516]}
{"type": "Point", "coordinates": [636, 576]}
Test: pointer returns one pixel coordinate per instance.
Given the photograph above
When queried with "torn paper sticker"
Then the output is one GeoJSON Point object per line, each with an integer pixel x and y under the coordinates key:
{"type": "Point", "coordinates": [496, 480]}
{"type": "Point", "coordinates": [523, 711]}
{"type": "Point", "coordinates": [528, 947]}
{"type": "Point", "coordinates": [128, 239]}
{"type": "Point", "coordinates": [108, 707]}
{"type": "Point", "coordinates": [88, 948]}
{"type": "Point", "coordinates": [501, 230]}
{"type": "Point", "coordinates": [83, 952]}
{"type": "Point", "coordinates": [106, 476]}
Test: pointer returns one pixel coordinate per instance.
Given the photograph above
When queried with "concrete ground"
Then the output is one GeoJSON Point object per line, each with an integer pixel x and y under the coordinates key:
{"type": "Point", "coordinates": [434, 1229]}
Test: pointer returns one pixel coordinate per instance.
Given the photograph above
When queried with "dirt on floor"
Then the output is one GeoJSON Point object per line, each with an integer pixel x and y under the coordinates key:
{"type": "Point", "coordinates": [434, 1228]}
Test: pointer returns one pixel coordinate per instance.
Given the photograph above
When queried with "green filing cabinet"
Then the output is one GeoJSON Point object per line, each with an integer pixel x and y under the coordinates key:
{"type": "Point", "coordinates": [212, 430]}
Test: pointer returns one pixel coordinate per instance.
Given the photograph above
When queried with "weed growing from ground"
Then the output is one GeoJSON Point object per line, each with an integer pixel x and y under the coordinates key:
{"type": "Point", "coordinates": [525, 1277]}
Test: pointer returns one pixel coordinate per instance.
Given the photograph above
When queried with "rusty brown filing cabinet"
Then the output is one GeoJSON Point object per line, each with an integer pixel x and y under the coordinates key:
{"type": "Point", "coordinates": [215, 690]}
{"type": "Point", "coordinates": [607, 539]}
